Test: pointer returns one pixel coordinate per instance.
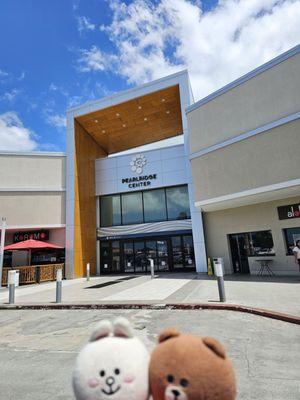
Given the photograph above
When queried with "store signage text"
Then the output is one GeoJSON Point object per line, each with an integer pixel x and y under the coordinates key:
{"type": "Point", "coordinates": [139, 181]}
{"type": "Point", "coordinates": [36, 235]}
{"type": "Point", "coordinates": [289, 212]}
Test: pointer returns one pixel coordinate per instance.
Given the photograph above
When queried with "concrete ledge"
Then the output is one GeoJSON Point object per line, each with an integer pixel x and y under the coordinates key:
{"type": "Point", "coordinates": [175, 306]}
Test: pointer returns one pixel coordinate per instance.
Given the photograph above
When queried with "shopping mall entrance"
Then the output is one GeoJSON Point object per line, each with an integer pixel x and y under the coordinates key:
{"type": "Point", "coordinates": [170, 253]}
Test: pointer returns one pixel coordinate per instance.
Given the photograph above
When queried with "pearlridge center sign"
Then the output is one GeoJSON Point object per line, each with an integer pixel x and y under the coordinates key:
{"type": "Point", "coordinates": [139, 181]}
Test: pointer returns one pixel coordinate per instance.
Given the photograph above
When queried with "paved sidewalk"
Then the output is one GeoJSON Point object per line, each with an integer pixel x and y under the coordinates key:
{"type": "Point", "coordinates": [38, 348]}
{"type": "Point", "coordinates": [277, 294]}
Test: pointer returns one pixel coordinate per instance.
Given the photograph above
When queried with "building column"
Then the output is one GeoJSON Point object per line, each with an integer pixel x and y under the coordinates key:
{"type": "Point", "coordinates": [186, 98]}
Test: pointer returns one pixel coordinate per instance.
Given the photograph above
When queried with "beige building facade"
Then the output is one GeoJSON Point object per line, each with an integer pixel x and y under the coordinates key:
{"type": "Point", "coordinates": [230, 190]}
{"type": "Point", "coordinates": [245, 161]}
{"type": "Point", "coordinates": [32, 199]}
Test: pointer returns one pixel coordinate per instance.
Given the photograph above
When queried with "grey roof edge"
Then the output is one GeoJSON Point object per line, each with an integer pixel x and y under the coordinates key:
{"type": "Point", "coordinates": [130, 90]}
{"type": "Point", "coordinates": [32, 153]}
{"type": "Point", "coordinates": [244, 78]}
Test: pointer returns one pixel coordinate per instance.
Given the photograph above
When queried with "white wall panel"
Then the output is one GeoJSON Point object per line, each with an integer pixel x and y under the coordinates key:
{"type": "Point", "coordinates": [173, 164]}
{"type": "Point", "coordinates": [106, 187]}
{"type": "Point", "coordinates": [167, 164]}
{"type": "Point", "coordinates": [173, 178]}
{"type": "Point", "coordinates": [106, 163]}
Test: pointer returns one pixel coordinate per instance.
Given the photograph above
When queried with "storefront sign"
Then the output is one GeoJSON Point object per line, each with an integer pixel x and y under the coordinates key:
{"type": "Point", "coordinates": [139, 181]}
{"type": "Point", "coordinates": [36, 235]}
{"type": "Point", "coordinates": [137, 165]}
{"type": "Point", "coordinates": [289, 212]}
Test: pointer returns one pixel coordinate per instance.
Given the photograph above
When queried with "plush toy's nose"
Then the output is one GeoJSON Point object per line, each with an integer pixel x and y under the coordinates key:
{"type": "Point", "coordinates": [175, 392]}
{"type": "Point", "coordinates": [110, 380]}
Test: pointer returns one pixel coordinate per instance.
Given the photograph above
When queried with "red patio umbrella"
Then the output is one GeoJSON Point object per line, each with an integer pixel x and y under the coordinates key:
{"type": "Point", "coordinates": [31, 244]}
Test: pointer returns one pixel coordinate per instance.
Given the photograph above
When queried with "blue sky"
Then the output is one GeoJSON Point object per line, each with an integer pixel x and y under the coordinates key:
{"type": "Point", "coordinates": [59, 53]}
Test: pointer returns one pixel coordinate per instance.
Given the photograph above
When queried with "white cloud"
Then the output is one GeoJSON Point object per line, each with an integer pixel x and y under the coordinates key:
{"type": "Point", "coordinates": [57, 120]}
{"type": "Point", "coordinates": [10, 96]}
{"type": "Point", "coordinates": [22, 76]}
{"type": "Point", "coordinates": [53, 87]}
{"type": "Point", "coordinates": [96, 60]}
{"type": "Point", "coordinates": [13, 135]}
{"type": "Point", "coordinates": [84, 24]}
{"type": "Point", "coordinates": [3, 73]}
{"type": "Point", "coordinates": [157, 39]}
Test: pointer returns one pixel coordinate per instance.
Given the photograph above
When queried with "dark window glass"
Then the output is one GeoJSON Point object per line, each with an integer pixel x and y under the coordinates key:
{"type": "Point", "coordinates": [132, 208]}
{"type": "Point", "coordinates": [7, 259]}
{"type": "Point", "coordinates": [110, 210]}
{"type": "Point", "coordinates": [155, 205]}
{"type": "Point", "coordinates": [148, 206]}
{"type": "Point", "coordinates": [178, 203]}
{"type": "Point", "coordinates": [292, 235]}
{"type": "Point", "coordinates": [261, 243]}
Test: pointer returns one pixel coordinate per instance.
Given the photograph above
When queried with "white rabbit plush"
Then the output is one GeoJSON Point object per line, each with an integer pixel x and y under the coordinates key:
{"type": "Point", "coordinates": [114, 365]}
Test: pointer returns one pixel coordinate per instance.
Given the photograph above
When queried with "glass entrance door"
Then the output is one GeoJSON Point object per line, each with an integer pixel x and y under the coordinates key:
{"type": "Point", "coordinates": [151, 252]}
{"type": "Point", "coordinates": [132, 256]}
{"type": "Point", "coordinates": [162, 255]}
{"type": "Point", "coordinates": [188, 251]}
{"type": "Point", "coordinates": [110, 257]}
{"type": "Point", "coordinates": [115, 255]}
{"type": "Point", "coordinates": [105, 257]}
{"type": "Point", "coordinates": [140, 256]}
{"type": "Point", "coordinates": [240, 247]}
{"type": "Point", "coordinates": [128, 257]}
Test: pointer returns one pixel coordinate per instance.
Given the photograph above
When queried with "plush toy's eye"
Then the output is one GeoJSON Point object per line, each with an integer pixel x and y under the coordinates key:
{"type": "Point", "coordinates": [184, 382]}
{"type": "Point", "coordinates": [102, 372]}
{"type": "Point", "coordinates": [170, 378]}
{"type": "Point", "coordinates": [117, 371]}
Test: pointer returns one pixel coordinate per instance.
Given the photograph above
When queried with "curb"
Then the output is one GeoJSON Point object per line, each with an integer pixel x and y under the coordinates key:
{"type": "Point", "coordinates": [175, 306]}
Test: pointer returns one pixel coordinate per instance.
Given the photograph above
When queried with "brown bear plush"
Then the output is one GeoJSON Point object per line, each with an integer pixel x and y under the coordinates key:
{"type": "Point", "coordinates": [186, 367]}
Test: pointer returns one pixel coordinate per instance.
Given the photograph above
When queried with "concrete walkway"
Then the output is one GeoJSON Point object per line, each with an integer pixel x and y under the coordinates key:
{"type": "Point", "coordinates": [38, 348]}
{"type": "Point", "coordinates": [277, 294]}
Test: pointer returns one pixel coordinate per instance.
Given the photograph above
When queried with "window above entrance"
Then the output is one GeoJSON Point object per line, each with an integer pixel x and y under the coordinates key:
{"type": "Point", "coordinates": [155, 205]}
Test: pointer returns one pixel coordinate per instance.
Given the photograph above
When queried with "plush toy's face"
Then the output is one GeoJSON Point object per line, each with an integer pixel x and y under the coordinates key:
{"type": "Point", "coordinates": [186, 367]}
{"type": "Point", "coordinates": [110, 368]}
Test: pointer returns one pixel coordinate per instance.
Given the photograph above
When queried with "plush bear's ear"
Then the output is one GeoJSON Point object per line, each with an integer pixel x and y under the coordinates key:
{"type": "Point", "coordinates": [215, 346]}
{"type": "Point", "coordinates": [168, 333]}
{"type": "Point", "coordinates": [122, 328]}
{"type": "Point", "coordinates": [102, 329]}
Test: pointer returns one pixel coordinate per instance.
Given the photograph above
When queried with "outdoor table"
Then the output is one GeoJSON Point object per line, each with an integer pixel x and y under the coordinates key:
{"type": "Point", "coordinates": [265, 264]}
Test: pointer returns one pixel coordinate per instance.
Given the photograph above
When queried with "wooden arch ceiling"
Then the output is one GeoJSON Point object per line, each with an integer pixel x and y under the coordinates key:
{"type": "Point", "coordinates": [136, 122]}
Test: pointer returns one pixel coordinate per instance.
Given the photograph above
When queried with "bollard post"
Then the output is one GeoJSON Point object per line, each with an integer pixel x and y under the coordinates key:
{"type": "Point", "coordinates": [58, 285]}
{"type": "Point", "coordinates": [88, 271]}
{"type": "Point", "coordinates": [152, 267]}
{"type": "Point", "coordinates": [220, 277]}
{"type": "Point", "coordinates": [11, 286]}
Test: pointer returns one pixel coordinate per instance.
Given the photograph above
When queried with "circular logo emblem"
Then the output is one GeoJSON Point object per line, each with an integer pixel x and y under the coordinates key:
{"type": "Point", "coordinates": [137, 163]}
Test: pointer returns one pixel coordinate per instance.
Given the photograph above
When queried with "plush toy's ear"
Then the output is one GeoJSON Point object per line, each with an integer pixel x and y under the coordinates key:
{"type": "Point", "coordinates": [215, 346]}
{"type": "Point", "coordinates": [168, 333]}
{"type": "Point", "coordinates": [102, 329]}
{"type": "Point", "coordinates": [122, 328]}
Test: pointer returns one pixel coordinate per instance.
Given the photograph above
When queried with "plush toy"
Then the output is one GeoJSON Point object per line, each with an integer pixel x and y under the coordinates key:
{"type": "Point", "coordinates": [186, 367]}
{"type": "Point", "coordinates": [114, 365]}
